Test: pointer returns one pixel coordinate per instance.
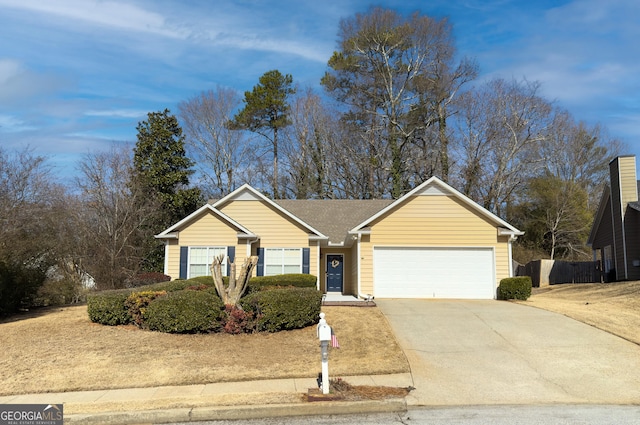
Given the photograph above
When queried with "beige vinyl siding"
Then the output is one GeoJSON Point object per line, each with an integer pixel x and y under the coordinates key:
{"type": "Point", "coordinates": [205, 230]}
{"type": "Point", "coordinates": [173, 261]}
{"type": "Point", "coordinates": [629, 193]}
{"type": "Point", "coordinates": [274, 228]}
{"type": "Point", "coordinates": [623, 190]}
{"type": "Point", "coordinates": [353, 270]}
{"type": "Point", "coordinates": [629, 185]}
{"type": "Point", "coordinates": [432, 221]}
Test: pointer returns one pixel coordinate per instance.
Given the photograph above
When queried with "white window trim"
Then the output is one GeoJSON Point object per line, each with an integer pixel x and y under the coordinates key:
{"type": "Point", "coordinates": [224, 263]}
{"type": "Point", "coordinates": [281, 263]}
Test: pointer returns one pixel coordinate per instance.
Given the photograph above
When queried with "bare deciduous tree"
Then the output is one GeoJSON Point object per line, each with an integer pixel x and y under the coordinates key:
{"type": "Point", "coordinates": [397, 77]}
{"type": "Point", "coordinates": [218, 150]}
{"type": "Point", "coordinates": [503, 126]}
{"type": "Point", "coordinates": [311, 139]}
{"type": "Point", "coordinates": [117, 214]}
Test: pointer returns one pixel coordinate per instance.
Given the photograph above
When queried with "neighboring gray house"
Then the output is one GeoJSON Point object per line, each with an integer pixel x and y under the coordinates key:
{"type": "Point", "coordinates": [615, 233]}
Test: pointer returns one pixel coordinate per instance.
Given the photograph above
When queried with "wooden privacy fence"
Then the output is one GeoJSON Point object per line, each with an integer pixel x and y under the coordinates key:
{"type": "Point", "coordinates": [550, 272]}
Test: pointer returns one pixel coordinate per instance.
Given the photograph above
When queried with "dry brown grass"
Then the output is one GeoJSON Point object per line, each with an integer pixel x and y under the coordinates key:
{"type": "Point", "coordinates": [612, 307]}
{"type": "Point", "coordinates": [59, 349]}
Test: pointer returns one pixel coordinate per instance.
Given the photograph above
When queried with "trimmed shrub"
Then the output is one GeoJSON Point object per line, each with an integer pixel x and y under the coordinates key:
{"type": "Point", "coordinates": [515, 288]}
{"type": "Point", "coordinates": [138, 302]}
{"type": "Point", "coordinates": [298, 280]}
{"type": "Point", "coordinates": [144, 279]}
{"type": "Point", "coordinates": [284, 308]}
{"type": "Point", "coordinates": [180, 284]}
{"type": "Point", "coordinates": [206, 280]}
{"type": "Point", "coordinates": [171, 286]}
{"type": "Point", "coordinates": [108, 307]}
{"type": "Point", "coordinates": [185, 312]}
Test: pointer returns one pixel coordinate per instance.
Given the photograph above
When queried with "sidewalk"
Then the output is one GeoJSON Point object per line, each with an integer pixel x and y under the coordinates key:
{"type": "Point", "coordinates": [218, 401]}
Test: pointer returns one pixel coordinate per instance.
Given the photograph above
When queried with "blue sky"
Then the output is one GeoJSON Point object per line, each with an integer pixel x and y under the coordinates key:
{"type": "Point", "coordinates": [78, 75]}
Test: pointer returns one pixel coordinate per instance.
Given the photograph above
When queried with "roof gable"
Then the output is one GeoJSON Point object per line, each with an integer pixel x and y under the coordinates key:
{"type": "Point", "coordinates": [436, 187]}
{"type": "Point", "coordinates": [207, 208]}
{"type": "Point", "coordinates": [248, 193]}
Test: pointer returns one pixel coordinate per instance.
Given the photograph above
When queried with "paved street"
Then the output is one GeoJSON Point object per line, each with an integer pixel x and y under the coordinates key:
{"type": "Point", "coordinates": [494, 415]}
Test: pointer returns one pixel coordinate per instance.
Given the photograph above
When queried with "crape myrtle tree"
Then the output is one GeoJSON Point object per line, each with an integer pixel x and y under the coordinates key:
{"type": "Point", "coordinates": [397, 78]}
{"type": "Point", "coordinates": [266, 112]}
{"type": "Point", "coordinates": [162, 170]}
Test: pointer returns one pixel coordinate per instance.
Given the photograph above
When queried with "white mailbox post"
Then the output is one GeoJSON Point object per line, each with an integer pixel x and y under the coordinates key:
{"type": "Point", "coordinates": [324, 335]}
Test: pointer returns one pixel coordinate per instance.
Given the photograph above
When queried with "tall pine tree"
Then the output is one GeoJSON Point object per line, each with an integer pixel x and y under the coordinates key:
{"type": "Point", "coordinates": [266, 111]}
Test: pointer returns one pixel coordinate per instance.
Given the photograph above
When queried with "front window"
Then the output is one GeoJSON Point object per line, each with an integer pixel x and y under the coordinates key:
{"type": "Point", "coordinates": [282, 261]}
{"type": "Point", "coordinates": [201, 257]}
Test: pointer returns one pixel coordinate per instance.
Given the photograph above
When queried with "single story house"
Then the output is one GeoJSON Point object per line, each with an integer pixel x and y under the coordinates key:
{"type": "Point", "coordinates": [433, 242]}
{"type": "Point", "coordinates": [615, 233]}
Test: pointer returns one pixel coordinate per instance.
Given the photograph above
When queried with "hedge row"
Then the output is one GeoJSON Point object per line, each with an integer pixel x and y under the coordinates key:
{"type": "Point", "coordinates": [298, 280]}
{"type": "Point", "coordinates": [109, 307]}
{"type": "Point", "coordinates": [186, 311]}
{"type": "Point", "coordinates": [284, 309]}
{"type": "Point", "coordinates": [515, 288]}
{"type": "Point", "coordinates": [193, 306]}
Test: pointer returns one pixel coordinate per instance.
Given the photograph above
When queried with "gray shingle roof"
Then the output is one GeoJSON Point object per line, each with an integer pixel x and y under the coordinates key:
{"type": "Point", "coordinates": [333, 217]}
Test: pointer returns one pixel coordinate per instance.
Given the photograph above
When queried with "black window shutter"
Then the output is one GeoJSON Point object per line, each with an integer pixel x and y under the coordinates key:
{"type": "Point", "coordinates": [184, 256]}
{"type": "Point", "coordinates": [305, 260]}
{"type": "Point", "coordinates": [260, 268]}
{"type": "Point", "coordinates": [231, 253]}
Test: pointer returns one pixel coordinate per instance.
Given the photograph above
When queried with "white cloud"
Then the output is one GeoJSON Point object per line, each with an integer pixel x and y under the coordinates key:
{"type": "Point", "coordinates": [116, 113]}
{"type": "Point", "coordinates": [11, 124]}
{"type": "Point", "coordinates": [117, 15]}
{"type": "Point", "coordinates": [18, 84]}
{"type": "Point", "coordinates": [221, 24]}
{"type": "Point", "coordinates": [8, 69]}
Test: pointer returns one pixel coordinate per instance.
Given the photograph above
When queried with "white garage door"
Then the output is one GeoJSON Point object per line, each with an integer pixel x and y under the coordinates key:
{"type": "Point", "coordinates": [434, 273]}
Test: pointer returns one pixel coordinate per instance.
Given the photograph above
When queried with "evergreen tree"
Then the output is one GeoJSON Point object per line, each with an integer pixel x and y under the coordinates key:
{"type": "Point", "coordinates": [163, 170]}
{"type": "Point", "coordinates": [266, 111]}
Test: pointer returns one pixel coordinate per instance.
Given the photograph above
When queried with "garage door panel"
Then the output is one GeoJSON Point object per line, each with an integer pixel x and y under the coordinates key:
{"type": "Point", "coordinates": [403, 272]}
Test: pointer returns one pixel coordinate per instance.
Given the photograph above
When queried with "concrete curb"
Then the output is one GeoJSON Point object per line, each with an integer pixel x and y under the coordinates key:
{"type": "Point", "coordinates": [239, 412]}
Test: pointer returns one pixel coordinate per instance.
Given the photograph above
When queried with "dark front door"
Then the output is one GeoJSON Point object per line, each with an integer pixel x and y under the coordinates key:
{"type": "Point", "coordinates": [334, 272]}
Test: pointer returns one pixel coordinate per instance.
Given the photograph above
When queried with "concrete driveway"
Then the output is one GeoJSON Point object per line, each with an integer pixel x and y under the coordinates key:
{"type": "Point", "coordinates": [496, 352]}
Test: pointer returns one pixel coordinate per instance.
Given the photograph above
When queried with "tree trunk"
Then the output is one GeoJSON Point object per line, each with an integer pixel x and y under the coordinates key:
{"type": "Point", "coordinates": [231, 293]}
{"type": "Point", "coordinates": [276, 192]}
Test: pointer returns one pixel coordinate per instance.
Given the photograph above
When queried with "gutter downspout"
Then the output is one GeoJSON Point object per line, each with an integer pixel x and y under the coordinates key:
{"type": "Point", "coordinates": [318, 265]}
{"type": "Point", "coordinates": [512, 239]}
{"type": "Point", "coordinates": [166, 257]}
